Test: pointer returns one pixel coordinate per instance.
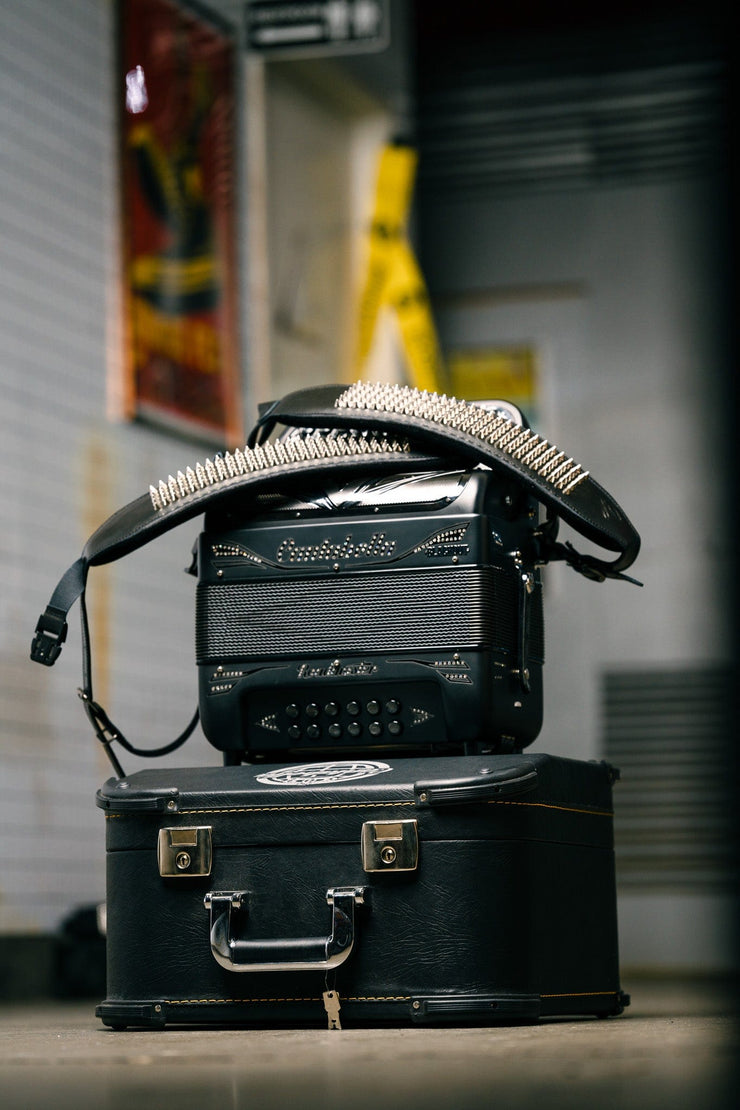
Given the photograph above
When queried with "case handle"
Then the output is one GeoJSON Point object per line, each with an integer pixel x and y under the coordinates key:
{"type": "Point", "coordinates": [286, 954]}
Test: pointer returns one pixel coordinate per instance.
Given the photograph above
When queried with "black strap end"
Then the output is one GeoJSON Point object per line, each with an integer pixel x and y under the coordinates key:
{"type": "Point", "coordinates": [51, 632]}
{"type": "Point", "coordinates": [594, 569]}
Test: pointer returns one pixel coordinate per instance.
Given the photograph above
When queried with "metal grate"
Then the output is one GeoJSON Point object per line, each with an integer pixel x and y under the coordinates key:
{"type": "Point", "coordinates": [416, 610]}
{"type": "Point", "coordinates": [544, 105]}
{"type": "Point", "coordinates": [578, 131]}
{"type": "Point", "coordinates": [670, 733]}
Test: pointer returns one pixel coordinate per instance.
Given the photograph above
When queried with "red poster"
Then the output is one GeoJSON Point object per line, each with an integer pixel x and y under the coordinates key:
{"type": "Point", "coordinates": [179, 219]}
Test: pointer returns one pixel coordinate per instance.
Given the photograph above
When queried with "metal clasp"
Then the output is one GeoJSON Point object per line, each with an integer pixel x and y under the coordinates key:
{"type": "Point", "coordinates": [390, 846]}
{"type": "Point", "coordinates": [51, 632]}
{"type": "Point", "coordinates": [185, 852]}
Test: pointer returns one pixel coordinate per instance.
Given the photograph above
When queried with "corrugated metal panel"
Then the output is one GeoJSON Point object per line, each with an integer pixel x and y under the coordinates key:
{"type": "Point", "coordinates": [671, 734]}
{"type": "Point", "coordinates": [491, 136]}
{"type": "Point", "coordinates": [63, 469]}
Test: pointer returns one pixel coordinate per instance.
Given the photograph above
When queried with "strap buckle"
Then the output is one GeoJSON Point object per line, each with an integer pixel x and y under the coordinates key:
{"type": "Point", "coordinates": [51, 632]}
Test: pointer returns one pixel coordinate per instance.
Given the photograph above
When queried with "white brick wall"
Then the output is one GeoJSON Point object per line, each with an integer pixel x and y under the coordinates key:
{"type": "Point", "coordinates": [64, 467]}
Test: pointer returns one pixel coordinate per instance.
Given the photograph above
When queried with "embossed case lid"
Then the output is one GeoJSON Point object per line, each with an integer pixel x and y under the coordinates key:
{"type": "Point", "coordinates": [485, 796]}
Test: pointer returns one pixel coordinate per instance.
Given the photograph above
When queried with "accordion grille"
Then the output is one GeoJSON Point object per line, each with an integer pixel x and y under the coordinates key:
{"type": "Point", "coordinates": [470, 607]}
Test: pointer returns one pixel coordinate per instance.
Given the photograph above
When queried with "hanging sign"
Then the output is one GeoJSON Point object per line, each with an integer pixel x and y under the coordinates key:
{"type": "Point", "coordinates": [506, 371]}
{"type": "Point", "coordinates": [291, 28]}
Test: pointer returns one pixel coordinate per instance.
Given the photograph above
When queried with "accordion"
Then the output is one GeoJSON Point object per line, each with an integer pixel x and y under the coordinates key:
{"type": "Point", "coordinates": [401, 613]}
{"type": "Point", "coordinates": [368, 577]}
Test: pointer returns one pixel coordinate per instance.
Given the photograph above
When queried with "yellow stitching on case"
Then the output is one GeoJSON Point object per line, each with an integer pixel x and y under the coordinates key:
{"type": "Point", "coordinates": [293, 808]}
{"type": "Point", "coordinates": [550, 805]}
{"type": "Point", "coordinates": [347, 998]}
{"type": "Point", "coordinates": [202, 1001]}
{"type": "Point", "coordinates": [356, 998]}
{"type": "Point", "coordinates": [371, 805]}
{"type": "Point", "coordinates": [276, 809]}
{"type": "Point", "coordinates": [377, 998]}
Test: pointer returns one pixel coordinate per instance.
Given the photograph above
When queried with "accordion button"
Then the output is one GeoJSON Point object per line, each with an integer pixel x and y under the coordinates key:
{"type": "Point", "coordinates": [331, 709]}
{"type": "Point", "coordinates": [312, 710]}
{"type": "Point", "coordinates": [395, 728]}
{"type": "Point", "coordinates": [313, 732]}
{"type": "Point", "coordinates": [354, 708]}
{"type": "Point", "coordinates": [294, 732]}
{"type": "Point", "coordinates": [354, 728]}
{"type": "Point", "coordinates": [375, 728]}
{"type": "Point", "coordinates": [392, 705]}
{"type": "Point", "coordinates": [292, 710]}
{"type": "Point", "coordinates": [373, 707]}
{"type": "Point", "coordinates": [335, 731]}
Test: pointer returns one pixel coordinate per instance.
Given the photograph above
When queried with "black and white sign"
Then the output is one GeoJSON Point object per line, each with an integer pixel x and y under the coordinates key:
{"type": "Point", "coordinates": [293, 28]}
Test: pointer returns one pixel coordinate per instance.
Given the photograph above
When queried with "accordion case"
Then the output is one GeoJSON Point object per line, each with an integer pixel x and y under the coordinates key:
{"type": "Point", "coordinates": [471, 889]}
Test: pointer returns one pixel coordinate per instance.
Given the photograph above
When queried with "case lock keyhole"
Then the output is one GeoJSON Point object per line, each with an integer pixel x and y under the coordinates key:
{"type": "Point", "coordinates": [390, 846]}
{"type": "Point", "coordinates": [185, 853]}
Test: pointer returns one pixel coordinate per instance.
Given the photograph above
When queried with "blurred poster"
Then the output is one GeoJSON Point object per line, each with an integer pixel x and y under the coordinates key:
{"type": "Point", "coordinates": [179, 232]}
{"type": "Point", "coordinates": [507, 373]}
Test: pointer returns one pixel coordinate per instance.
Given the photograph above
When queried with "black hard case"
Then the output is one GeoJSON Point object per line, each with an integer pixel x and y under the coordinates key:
{"type": "Point", "coordinates": [507, 915]}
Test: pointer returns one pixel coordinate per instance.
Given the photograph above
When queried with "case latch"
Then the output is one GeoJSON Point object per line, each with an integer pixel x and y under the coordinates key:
{"type": "Point", "coordinates": [390, 846]}
{"type": "Point", "coordinates": [184, 852]}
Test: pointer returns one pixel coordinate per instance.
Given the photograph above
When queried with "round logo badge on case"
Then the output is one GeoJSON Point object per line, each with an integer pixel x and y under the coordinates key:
{"type": "Point", "coordinates": [321, 774]}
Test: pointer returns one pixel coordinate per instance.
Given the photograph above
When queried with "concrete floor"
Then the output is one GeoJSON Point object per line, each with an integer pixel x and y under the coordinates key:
{"type": "Point", "coordinates": [674, 1048]}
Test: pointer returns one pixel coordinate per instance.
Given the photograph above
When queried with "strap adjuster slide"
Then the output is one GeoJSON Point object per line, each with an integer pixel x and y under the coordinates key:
{"type": "Point", "coordinates": [51, 632]}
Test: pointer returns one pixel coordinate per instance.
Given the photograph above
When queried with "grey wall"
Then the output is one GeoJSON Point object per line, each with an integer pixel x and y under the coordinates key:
{"type": "Point", "coordinates": [621, 291]}
{"type": "Point", "coordinates": [65, 468]}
